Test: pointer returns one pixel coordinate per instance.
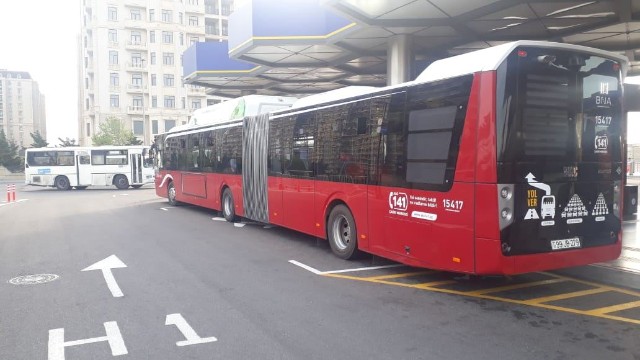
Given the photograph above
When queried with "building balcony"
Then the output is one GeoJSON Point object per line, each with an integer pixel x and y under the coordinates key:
{"type": "Point", "coordinates": [137, 45]}
{"type": "Point", "coordinates": [135, 110]}
{"type": "Point", "coordinates": [137, 3]}
{"type": "Point", "coordinates": [137, 67]}
{"type": "Point", "coordinates": [135, 24]}
{"type": "Point", "coordinates": [196, 91]}
{"type": "Point", "coordinates": [135, 88]}
{"type": "Point", "coordinates": [194, 9]}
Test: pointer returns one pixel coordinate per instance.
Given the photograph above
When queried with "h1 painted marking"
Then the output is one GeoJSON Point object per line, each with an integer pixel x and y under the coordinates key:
{"type": "Point", "coordinates": [192, 337]}
{"type": "Point", "coordinates": [113, 337]}
{"type": "Point", "coordinates": [106, 265]}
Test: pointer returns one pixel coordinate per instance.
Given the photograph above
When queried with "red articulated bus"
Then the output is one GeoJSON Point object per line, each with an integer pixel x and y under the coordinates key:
{"type": "Point", "coordinates": [501, 161]}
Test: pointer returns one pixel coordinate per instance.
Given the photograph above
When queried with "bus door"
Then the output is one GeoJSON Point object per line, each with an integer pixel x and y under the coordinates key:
{"type": "Point", "coordinates": [136, 168]}
{"type": "Point", "coordinates": [83, 169]}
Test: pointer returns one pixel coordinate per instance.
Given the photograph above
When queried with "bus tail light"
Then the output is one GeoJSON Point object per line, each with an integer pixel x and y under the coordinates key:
{"type": "Point", "coordinates": [505, 205]}
{"type": "Point", "coordinates": [617, 192]}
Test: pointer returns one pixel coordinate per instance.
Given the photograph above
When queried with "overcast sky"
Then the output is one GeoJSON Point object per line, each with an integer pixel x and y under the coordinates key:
{"type": "Point", "coordinates": [39, 36]}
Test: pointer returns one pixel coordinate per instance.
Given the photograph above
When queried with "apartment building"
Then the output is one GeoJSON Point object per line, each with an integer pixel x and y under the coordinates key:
{"type": "Point", "coordinates": [131, 57]}
{"type": "Point", "coordinates": [22, 107]}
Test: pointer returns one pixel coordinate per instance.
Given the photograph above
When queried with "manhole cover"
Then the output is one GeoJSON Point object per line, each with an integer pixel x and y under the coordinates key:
{"type": "Point", "coordinates": [33, 279]}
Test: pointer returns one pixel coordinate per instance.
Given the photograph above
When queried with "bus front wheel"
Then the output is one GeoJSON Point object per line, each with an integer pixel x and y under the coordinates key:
{"type": "Point", "coordinates": [62, 183]}
{"type": "Point", "coordinates": [121, 182]}
{"type": "Point", "coordinates": [228, 207]}
{"type": "Point", "coordinates": [342, 233]}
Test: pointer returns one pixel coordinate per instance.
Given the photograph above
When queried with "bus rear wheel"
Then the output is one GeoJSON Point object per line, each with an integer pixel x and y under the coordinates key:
{"type": "Point", "coordinates": [121, 182]}
{"type": "Point", "coordinates": [342, 233]}
{"type": "Point", "coordinates": [171, 194]}
{"type": "Point", "coordinates": [62, 183]}
{"type": "Point", "coordinates": [228, 207]}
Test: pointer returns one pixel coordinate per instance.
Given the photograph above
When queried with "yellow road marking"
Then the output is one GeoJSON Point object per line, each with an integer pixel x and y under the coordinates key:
{"type": "Point", "coordinates": [601, 312]}
{"type": "Point", "coordinates": [514, 287]}
{"type": "Point", "coordinates": [395, 276]}
{"type": "Point", "coordinates": [565, 296]}
{"type": "Point", "coordinates": [594, 284]}
{"type": "Point", "coordinates": [614, 308]}
{"type": "Point", "coordinates": [429, 285]}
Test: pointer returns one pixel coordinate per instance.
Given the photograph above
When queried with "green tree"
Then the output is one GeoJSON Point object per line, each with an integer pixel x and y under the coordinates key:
{"type": "Point", "coordinates": [113, 132]}
{"type": "Point", "coordinates": [38, 140]}
{"type": "Point", "coordinates": [66, 142]}
{"type": "Point", "coordinates": [9, 157]}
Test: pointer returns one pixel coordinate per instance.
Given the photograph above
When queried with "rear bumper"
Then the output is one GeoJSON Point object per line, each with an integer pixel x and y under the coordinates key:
{"type": "Point", "coordinates": [490, 261]}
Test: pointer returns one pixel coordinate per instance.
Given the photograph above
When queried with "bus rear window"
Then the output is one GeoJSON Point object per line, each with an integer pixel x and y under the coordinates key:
{"type": "Point", "coordinates": [557, 105]}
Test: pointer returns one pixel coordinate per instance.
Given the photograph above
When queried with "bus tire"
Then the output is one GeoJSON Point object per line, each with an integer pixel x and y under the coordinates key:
{"type": "Point", "coordinates": [228, 207]}
{"type": "Point", "coordinates": [171, 194]}
{"type": "Point", "coordinates": [342, 233]}
{"type": "Point", "coordinates": [121, 182]}
{"type": "Point", "coordinates": [62, 183]}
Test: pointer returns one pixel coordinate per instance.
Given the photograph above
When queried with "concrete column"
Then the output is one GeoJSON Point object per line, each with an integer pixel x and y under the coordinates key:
{"type": "Point", "coordinates": [399, 59]}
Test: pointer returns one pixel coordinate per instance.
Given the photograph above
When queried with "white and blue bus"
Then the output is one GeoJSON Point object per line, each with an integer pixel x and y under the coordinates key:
{"type": "Point", "coordinates": [80, 167]}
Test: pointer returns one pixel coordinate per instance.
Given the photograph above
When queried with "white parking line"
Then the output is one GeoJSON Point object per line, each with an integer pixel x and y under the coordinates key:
{"type": "Point", "coordinates": [13, 202]}
{"type": "Point", "coordinates": [318, 272]}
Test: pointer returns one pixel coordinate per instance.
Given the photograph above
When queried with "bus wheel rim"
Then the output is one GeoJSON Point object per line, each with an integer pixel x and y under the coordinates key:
{"type": "Point", "coordinates": [341, 232]}
{"type": "Point", "coordinates": [172, 193]}
{"type": "Point", "coordinates": [227, 206]}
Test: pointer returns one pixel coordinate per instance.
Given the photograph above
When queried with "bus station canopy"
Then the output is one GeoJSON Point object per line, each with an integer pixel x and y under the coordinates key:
{"type": "Point", "coordinates": [290, 47]}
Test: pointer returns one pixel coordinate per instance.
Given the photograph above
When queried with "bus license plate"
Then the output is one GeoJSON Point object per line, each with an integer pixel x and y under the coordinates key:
{"type": "Point", "coordinates": [565, 244]}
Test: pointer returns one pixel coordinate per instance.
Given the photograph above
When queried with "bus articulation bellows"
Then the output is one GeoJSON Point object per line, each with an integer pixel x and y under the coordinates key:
{"type": "Point", "coordinates": [500, 161]}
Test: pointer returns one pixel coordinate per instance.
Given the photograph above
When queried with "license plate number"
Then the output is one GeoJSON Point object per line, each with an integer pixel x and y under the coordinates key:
{"type": "Point", "coordinates": [565, 244]}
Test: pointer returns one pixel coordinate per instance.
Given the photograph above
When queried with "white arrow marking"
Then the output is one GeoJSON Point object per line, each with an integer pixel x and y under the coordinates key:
{"type": "Point", "coordinates": [106, 265]}
{"type": "Point", "coordinates": [192, 337]}
{"type": "Point", "coordinates": [531, 180]}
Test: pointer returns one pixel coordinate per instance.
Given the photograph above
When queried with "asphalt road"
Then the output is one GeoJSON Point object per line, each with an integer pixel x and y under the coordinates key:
{"type": "Point", "coordinates": [230, 292]}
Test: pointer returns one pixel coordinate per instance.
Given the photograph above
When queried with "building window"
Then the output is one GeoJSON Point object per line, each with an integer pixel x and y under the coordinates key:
{"type": "Point", "coordinates": [181, 36]}
{"type": "Point", "coordinates": [138, 127]}
{"type": "Point", "coordinates": [152, 15]}
{"type": "Point", "coordinates": [168, 80]}
{"type": "Point", "coordinates": [154, 101]}
{"type": "Point", "coordinates": [193, 2]}
{"type": "Point", "coordinates": [136, 38]}
{"type": "Point", "coordinates": [153, 79]}
{"type": "Point", "coordinates": [136, 80]}
{"type": "Point", "coordinates": [167, 58]}
{"type": "Point", "coordinates": [136, 102]}
{"type": "Point", "coordinates": [225, 28]}
{"type": "Point", "coordinates": [184, 103]}
{"type": "Point", "coordinates": [152, 36]}
{"type": "Point", "coordinates": [169, 124]}
{"type": "Point", "coordinates": [88, 126]}
{"type": "Point", "coordinates": [195, 104]}
{"type": "Point", "coordinates": [135, 14]}
{"type": "Point", "coordinates": [210, 26]}
{"type": "Point", "coordinates": [193, 20]}
{"type": "Point", "coordinates": [153, 58]}
{"type": "Point", "coordinates": [112, 13]}
{"type": "Point", "coordinates": [114, 101]}
{"type": "Point", "coordinates": [167, 37]}
{"type": "Point", "coordinates": [170, 102]}
{"type": "Point", "coordinates": [180, 15]}
{"type": "Point", "coordinates": [167, 16]}
{"type": "Point", "coordinates": [113, 57]}
{"type": "Point", "coordinates": [114, 80]}
{"type": "Point", "coordinates": [136, 59]}
{"type": "Point", "coordinates": [227, 7]}
{"type": "Point", "coordinates": [154, 127]}
{"type": "Point", "coordinates": [113, 35]}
